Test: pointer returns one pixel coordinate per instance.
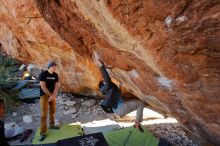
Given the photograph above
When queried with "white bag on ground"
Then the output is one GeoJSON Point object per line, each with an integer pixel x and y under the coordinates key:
{"type": "Point", "coordinates": [12, 129]}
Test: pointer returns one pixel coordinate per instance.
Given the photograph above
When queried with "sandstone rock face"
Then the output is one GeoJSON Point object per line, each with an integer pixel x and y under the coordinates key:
{"type": "Point", "coordinates": [27, 36]}
{"type": "Point", "coordinates": [167, 53]}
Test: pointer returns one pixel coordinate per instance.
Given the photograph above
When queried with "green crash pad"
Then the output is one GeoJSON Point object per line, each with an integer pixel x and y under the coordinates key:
{"type": "Point", "coordinates": [130, 137]}
{"type": "Point", "coordinates": [65, 131]}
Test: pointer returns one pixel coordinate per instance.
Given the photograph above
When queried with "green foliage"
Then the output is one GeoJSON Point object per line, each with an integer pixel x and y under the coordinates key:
{"type": "Point", "coordinates": [8, 79]}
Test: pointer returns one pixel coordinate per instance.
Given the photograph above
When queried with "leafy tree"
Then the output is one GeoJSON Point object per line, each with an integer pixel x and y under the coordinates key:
{"type": "Point", "coordinates": [8, 79]}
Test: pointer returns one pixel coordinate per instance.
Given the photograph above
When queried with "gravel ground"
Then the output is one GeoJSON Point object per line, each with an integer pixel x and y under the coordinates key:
{"type": "Point", "coordinates": [73, 108]}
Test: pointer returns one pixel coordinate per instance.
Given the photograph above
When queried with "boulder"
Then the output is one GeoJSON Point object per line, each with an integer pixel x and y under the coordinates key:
{"type": "Point", "coordinates": [165, 53]}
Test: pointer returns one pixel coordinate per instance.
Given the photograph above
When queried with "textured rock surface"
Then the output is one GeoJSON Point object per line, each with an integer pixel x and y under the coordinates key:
{"type": "Point", "coordinates": [27, 36]}
{"type": "Point", "coordinates": [166, 53]}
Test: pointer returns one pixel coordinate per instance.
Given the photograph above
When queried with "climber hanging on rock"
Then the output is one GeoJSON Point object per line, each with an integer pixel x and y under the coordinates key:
{"type": "Point", "coordinates": [114, 103]}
